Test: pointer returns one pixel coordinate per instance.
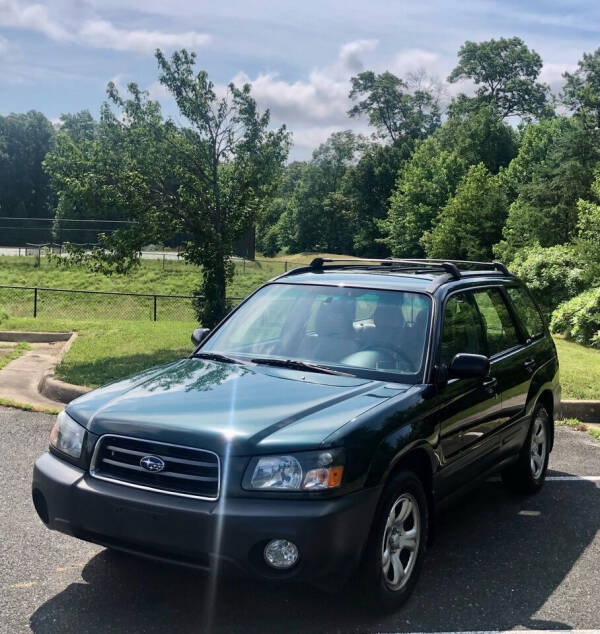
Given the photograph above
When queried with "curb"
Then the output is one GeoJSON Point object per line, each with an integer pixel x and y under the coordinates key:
{"type": "Point", "coordinates": [55, 389]}
{"type": "Point", "coordinates": [34, 337]}
{"type": "Point", "coordinates": [58, 390]}
{"type": "Point", "coordinates": [585, 411]}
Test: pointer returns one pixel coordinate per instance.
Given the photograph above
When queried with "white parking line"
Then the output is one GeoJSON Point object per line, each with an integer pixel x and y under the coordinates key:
{"type": "Point", "coordinates": [575, 478]}
{"type": "Point", "coordinates": [507, 632]}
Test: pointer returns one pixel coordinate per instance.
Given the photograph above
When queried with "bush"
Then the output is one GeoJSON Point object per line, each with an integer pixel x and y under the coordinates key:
{"type": "Point", "coordinates": [553, 274]}
{"type": "Point", "coordinates": [579, 318]}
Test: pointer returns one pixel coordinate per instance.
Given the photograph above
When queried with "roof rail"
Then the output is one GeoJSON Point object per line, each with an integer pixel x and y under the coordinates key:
{"type": "Point", "coordinates": [396, 263]}
{"type": "Point", "coordinates": [456, 268]}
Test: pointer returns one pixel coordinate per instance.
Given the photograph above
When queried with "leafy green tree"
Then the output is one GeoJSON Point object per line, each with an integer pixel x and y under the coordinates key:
{"type": "Point", "coordinates": [578, 319]}
{"type": "Point", "coordinates": [428, 180]}
{"type": "Point", "coordinates": [472, 220]}
{"type": "Point", "coordinates": [553, 274]}
{"type": "Point", "coordinates": [79, 126]}
{"type": "Point", "coordinates": [205, 180]}
{"type": "Point", "coordinates": [24, 192]}
{"type": "Point", "coordinates": [316, 219]}
{"type": "Point", "coordinates": [588, 227]}
{"type": "Point", "coordinates": [505, 72]}
{"type": "Point", "coordinates": [581, 93]}
{"type": "Point", "coordinates": [397, 113]}
{"type": "Point", "coordinates": [553, 170]}
{"type": "Point", "coordinates": [368, 186]}
{"type": "Point", "coordinates": [270, 237]}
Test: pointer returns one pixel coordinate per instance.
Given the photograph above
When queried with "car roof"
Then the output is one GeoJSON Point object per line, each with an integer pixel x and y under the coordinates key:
{"type": "Point", "coordinates": [425, 276]}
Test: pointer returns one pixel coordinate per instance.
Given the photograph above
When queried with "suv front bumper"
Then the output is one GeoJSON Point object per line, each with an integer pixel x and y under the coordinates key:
{"type": "Point", "coordinates": [231, 534]}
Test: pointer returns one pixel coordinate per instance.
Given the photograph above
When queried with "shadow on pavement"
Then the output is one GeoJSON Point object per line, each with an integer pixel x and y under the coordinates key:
{"type": "Point", "coordinates": [496, 560]}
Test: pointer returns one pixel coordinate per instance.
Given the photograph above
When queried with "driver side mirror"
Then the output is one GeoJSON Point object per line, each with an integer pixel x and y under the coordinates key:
{"type": "Point", "coordinates": [469, 366]}
{"type": "Point", "coordinates": [199, 335]}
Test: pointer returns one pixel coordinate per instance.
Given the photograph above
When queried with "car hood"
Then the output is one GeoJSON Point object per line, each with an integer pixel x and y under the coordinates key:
{"type": "Point", "coordinates": [230, 407]}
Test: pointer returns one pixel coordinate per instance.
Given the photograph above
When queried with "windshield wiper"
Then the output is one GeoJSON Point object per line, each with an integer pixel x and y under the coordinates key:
{"type": "Point", "coordinates": [215, 356]}
{"type": "Point", "coordinates": [292, 364]}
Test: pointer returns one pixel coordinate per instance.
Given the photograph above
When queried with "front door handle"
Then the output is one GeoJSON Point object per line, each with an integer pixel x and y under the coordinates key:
{"type": "Point", "coordinates": [489, 384]}
{"type": "Point", "coordinates": [529, 364]}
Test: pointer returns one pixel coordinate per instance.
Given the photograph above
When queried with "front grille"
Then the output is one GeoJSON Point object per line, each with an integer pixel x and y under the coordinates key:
{"type": "Point", "coordinates": [187, 471]}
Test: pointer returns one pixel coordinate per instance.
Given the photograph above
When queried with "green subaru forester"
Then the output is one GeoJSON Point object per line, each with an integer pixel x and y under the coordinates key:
{"type": "Point", "coordinates": [313, 435]}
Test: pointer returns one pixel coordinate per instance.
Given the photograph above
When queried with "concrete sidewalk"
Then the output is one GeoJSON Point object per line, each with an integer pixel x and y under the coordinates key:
{"type": "Point", "coordinates": [20, 378]}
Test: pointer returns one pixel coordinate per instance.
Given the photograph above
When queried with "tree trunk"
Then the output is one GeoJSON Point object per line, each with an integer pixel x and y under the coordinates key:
{"type": "Point", "coordinates": [211, 306]}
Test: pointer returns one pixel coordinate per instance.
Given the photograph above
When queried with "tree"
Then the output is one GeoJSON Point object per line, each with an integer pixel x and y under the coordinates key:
{"type": "Point", "coordinates": [553, 170]}
{"type": "Point", "coordinates": [428, 180]}
{"type": "Point", "coordinates": [424, 185]}
{"type": "Point", "coordinates": [397, 114]}
{"type": "Point", "coordinates": [24, 141]}
{"type": "Point", "coordinates": [581, 93]}
{"type": "Point", "coordinates": [368, 186]}
{"type": "Point", "coordinates": [472, 220]}
{"type": "Point", "coordinates": [505, 72]}
{"type": "Point", "coordinates": [78, 126]}
{"type": "Point", "coordinates": [205, 181]}
{"type": "Point", "coordinates": [318, 216]}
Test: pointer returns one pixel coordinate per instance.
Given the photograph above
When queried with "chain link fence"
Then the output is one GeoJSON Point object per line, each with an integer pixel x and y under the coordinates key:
{"type": "Point", "coordinates": [167, 261]}
{"type": "Point", "coordinates": [59, 303]}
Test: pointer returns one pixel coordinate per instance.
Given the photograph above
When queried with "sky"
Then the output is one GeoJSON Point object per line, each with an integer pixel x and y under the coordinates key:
{"type": "Point", "coordinates": [58, 56]}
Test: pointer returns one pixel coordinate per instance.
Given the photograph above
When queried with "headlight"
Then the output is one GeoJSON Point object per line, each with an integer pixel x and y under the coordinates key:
{"type": "Point", "coordinates": [67, 435]}
{"type": "Point", "coordinates": [310, 471]}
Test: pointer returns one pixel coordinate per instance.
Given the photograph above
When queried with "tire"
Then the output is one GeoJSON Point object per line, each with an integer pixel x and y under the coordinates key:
{"type": "Point", "coordinates": [527, 475]}
{"type": "Point", "coordinates": [382, 583]}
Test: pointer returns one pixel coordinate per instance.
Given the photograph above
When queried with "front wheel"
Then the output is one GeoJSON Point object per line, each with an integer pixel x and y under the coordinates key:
{"type": "Point", "coordinates": [527, 475]}
{"type": "Point", "coordinates": [394, 553]}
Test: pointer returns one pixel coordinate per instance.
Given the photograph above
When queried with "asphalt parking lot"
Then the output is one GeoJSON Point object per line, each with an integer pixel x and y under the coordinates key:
{"type": "Point", "coordinates": [499, 562]}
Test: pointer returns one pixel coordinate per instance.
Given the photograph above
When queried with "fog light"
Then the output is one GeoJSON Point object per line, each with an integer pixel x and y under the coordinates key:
{"type": "Point", "coordinates": [280, 553]}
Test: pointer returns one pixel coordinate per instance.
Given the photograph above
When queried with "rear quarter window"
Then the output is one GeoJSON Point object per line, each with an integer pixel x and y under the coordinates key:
{"type": "Point", "coordinates": [527, 311]}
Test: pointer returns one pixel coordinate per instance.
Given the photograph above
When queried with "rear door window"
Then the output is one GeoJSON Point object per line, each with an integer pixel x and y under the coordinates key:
{"type": "Point", "coordinates": [500, 329]}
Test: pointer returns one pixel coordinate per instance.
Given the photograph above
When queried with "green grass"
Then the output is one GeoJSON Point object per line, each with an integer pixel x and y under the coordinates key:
{"type": "Point", "coordinates": [105, 351]}
{"type": "Point", "coordinates": [14, 353]}
{"type": "Point", "coordinates": [579, 370]}
{"type": "Point", "coordinates": [177, 278]}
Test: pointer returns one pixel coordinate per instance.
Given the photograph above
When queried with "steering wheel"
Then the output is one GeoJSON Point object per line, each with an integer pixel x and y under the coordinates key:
{"type": "Point", "coordinates": [393, 351]}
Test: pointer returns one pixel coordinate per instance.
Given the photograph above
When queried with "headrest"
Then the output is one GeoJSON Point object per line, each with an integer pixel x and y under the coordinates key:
{"type": "Point", "coordinates": [388, 316]}
{"type": "Point", "coordinates": [334, 317]}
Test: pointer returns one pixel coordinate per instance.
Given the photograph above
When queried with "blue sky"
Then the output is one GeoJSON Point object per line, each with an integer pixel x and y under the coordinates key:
{"type": "Point", "coordinates": [57, 56]}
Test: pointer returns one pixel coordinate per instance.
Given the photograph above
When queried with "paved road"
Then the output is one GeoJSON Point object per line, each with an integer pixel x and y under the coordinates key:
{"type": "Point", "coordinates": [499, 562]}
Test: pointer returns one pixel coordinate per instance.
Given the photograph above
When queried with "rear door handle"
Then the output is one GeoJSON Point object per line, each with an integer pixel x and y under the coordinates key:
{"type": "Point", "coordinates": [529, 364]}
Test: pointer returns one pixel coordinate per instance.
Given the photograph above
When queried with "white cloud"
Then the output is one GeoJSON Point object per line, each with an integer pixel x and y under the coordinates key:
{"type": "Point", "coordinates": [351, 53]}
{"type": "Point", "coordinates": [102, 34]}
{"type": "Point", "coordinates": [96, 32]}
{"type": "Point", "coordinates": [35, 17]}
{"type": "Point", "coordinates": [552, 74]}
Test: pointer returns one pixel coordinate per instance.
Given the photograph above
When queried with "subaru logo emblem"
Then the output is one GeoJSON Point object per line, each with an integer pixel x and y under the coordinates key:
{"type": "Point", "coordinates": [152, 463]}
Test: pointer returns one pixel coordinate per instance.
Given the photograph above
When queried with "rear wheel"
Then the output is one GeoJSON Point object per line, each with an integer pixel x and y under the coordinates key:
{"type": "Point", "coordinates": [527, 475]}
{"type": "Point", "coordinates": [394, 553]}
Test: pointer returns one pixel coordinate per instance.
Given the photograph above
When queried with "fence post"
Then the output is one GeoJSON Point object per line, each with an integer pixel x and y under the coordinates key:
{"type": "Point", "coordinates": [35, 300]}
{"type": "Point", "coordinates": [154, 307]}
{"type": "Point", "coordinates": [244, 264]}
{"type": "Point", "coordinates": [164, 254]}
{"type": "Point", "coordinates": [285, 270]}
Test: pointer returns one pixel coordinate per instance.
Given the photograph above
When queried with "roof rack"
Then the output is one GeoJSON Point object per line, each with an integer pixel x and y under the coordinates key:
{"type": "Point", "coordinates": [455, 268]}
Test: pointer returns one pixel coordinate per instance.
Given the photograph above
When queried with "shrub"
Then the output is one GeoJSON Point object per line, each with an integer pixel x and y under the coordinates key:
{"type": "Point", "coordinates": [579, 318]}
{"type": "Point", "coordinates": [553, 274]}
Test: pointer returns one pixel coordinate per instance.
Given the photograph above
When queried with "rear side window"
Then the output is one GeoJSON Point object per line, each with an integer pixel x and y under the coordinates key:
{"type": "Point", "coordinates": [527, 311]}
{"type": "Point", "coordinates": [500, 329]}
{"type": "Point", "coordinates": [462, 330]}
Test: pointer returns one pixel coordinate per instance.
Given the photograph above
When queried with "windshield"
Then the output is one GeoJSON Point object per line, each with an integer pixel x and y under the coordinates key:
{"type": "Point", "coordinates": [363, 331]}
